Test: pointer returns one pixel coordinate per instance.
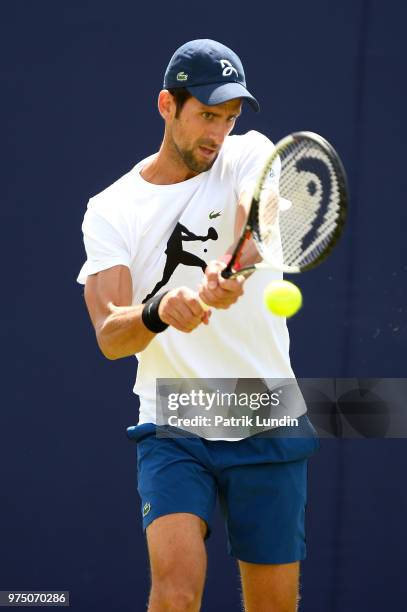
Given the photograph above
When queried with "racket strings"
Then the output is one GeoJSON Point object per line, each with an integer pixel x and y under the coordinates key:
{"type": "Point", "coordinates": [296, 228]}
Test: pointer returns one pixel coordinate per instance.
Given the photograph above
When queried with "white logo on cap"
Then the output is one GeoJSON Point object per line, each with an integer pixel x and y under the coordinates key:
{"type": "Point", "coordinates": [227, 68]}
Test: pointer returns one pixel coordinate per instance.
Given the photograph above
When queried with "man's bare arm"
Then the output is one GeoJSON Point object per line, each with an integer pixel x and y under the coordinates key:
{"type": "Point", "coordinates": [120, 331]}
{"type": "Point", "coordinates": [250, 253]}
{"type": "Point", "coordinates": [217, 291]}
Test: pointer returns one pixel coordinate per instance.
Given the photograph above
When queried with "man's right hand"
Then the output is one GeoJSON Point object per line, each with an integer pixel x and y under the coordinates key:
{"type": "Point", "coordinates": [182, 309]}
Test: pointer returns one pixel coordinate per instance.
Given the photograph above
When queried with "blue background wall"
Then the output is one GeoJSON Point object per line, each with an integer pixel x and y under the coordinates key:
{"type": "Point", "coordinates": [80, 80]}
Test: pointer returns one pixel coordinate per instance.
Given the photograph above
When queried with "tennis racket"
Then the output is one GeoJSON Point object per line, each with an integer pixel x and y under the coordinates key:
{"type": "Point", "coordinates": [296, 229]}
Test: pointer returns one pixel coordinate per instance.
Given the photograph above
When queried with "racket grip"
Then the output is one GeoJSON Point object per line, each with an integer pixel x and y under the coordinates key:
{"type": "Point", "coordinates": [228, 271]}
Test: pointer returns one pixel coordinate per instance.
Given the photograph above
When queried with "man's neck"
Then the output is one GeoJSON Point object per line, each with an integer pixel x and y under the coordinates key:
{"type": "Point", "coordinates": [166, 168]}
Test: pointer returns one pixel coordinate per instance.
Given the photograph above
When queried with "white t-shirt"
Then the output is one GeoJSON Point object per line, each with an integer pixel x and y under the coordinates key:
{"type": "Point", "coordinates": [157, 229]}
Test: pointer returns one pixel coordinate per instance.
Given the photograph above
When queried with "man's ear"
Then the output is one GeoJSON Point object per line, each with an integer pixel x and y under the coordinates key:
{"type": "Point", "coordinates": [166, 104]}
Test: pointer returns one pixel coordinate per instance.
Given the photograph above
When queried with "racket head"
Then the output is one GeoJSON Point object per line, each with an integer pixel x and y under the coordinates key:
{"type": "Point", "coordinates": [296, 229]}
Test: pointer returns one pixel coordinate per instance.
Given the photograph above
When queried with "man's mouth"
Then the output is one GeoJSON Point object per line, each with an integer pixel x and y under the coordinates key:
{"type": "Point", "coordinates": [207, 151]}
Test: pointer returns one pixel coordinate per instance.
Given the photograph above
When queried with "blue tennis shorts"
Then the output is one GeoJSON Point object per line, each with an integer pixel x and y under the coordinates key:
{"type": "Point", "coordinates": [261, 482]}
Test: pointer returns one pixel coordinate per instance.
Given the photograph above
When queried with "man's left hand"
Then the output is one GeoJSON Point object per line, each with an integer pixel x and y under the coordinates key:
{"type": "Point", "coordinates": [217, 291]}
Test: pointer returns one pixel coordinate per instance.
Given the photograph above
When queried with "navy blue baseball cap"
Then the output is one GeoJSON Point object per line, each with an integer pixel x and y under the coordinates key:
{"type": "Point", "coordinates": [211, 72]}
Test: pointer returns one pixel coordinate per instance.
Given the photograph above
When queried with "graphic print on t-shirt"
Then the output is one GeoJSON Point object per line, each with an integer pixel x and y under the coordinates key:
{"type": "Point", "coordinates": [176, 254]}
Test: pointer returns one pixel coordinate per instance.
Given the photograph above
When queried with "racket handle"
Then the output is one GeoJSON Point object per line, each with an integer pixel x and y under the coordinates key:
{"type": "Point", "coordinates": [233, 260]}
{"type": "Point", "coordinates": [231, 269]}
{"type": "Point", "coordinates": [227, 259]}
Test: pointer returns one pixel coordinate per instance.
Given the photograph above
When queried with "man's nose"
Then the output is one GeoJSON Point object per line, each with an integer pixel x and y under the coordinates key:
{"type": "Point", "coordinates": [218, 133]}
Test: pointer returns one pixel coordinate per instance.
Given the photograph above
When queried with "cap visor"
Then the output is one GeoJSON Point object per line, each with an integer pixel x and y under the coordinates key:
{"type": "Point", "coordinates": [217, 93]}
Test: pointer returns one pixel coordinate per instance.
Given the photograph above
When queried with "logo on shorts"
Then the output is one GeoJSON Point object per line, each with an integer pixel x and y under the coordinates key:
{"type": "Point", "coordinates": [146, 508]}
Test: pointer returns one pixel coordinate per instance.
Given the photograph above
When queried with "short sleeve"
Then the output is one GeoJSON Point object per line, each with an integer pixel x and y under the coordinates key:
{"type": "Point", "coordinates": [104, 244]}
{"type": "Point", "coordinates": [257, 148]}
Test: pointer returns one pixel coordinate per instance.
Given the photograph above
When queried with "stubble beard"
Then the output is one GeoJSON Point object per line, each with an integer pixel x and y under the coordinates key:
{"type": "Point", "coordinates": [190, 160]}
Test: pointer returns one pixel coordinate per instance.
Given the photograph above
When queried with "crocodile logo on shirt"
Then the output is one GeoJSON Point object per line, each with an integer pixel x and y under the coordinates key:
{"type": "Point", "coordinates": [213, 214]}
{"type": "Point", "coordinates": [146, 508]}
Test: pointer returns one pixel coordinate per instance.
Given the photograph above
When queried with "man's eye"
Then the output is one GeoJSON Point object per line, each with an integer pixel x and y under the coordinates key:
{"type": "Point", "coordinates": [206, 115]}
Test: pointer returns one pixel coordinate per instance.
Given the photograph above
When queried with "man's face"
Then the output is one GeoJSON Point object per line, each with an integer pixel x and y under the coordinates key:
{"type": "Point", "coordinates": [198, 132]}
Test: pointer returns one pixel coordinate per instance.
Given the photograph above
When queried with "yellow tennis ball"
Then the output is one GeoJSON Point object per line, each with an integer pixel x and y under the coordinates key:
{"type": "Point", "coordinates": [282, 298]}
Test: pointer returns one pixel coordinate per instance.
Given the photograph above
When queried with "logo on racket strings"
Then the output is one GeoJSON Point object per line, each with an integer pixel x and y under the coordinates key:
{"type": "Point", "coordinates": [228, 68]}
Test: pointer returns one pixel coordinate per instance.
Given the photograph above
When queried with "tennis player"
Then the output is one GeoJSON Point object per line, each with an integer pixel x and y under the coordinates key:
{"type": "Point", "coordinates": [156, 241]}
